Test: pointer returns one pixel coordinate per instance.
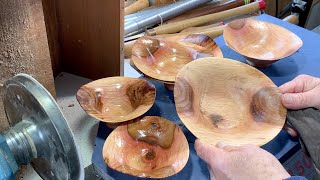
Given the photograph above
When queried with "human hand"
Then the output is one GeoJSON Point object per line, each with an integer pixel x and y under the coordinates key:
{"type": "Point", "coordinates": [302, 92]}
{"type": "Point", "coordinates": [240, 162]}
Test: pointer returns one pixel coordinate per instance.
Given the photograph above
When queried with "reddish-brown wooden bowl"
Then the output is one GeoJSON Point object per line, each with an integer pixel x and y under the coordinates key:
{"type": "Point", "coordinates": [151, 147]}
{"type": "Point", "coordinates": [162, 57]}
{"type": "Point", "coordinates": [116, 99]}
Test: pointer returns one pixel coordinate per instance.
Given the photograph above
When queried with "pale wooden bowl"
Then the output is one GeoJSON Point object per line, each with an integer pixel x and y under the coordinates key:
{"type": "Point", "coordinates": [152, 147]}
{"type": "Point", "coordinates": [162, 57]}
{"type": "Point", "coordinates": [223, 100]}
{"type": "Point", "coordinates": [116, 99]}
{"type": "Point", "coordinates": [262, 43]}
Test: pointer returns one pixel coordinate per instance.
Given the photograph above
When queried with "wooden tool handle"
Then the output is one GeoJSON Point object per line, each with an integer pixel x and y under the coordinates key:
{"type": "Point", "coordinates": [294, 19]}
{"type": "Point", "coordinates": [211, 32]}
{"type": "Point", "coordinates": [137, 6]}
{"type": "Point", "coordinates": [191, 29]}
{"type": "Point", "coordinates": [161, 2]}
{"type": "Point", "coordinates": [179, 26]}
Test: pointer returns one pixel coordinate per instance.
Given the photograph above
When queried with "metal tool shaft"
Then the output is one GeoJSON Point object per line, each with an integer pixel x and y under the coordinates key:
{"type": "Point", "coordinates": [162, 14]}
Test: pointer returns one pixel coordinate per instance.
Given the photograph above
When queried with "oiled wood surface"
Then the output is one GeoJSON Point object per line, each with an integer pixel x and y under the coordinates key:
{"type": "Point", "coordinates": [152, 147]}
{"type": "Point", "coordinates": [226, 100]}
{"type": "Point", "coordinates": [260, 40]}
{"type": "Point", "coordinates": [116, 99]}
{"type": "Point", "coordinates": [162, 58]}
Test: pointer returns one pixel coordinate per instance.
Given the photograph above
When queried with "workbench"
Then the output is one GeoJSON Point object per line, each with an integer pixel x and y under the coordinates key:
{"type": "Point", "coordinates": [305, 61]}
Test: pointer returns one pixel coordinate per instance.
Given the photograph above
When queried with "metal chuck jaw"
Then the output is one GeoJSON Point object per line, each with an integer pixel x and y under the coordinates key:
{"type": "Point", "coordinates": [40, 134]}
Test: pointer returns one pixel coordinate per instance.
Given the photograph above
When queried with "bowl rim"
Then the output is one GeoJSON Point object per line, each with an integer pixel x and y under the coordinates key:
{"type": "Point", "coordinates": [162, 78]}
{"type": "Point", "coordinates": [119, 119]}
{"type": "Point", "coordinates": [189, 125]}
{"type": "Point", "coordinates": [259, 58]}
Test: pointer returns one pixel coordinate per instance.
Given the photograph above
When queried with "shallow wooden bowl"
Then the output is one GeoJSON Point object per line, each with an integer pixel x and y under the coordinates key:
{"type": "Point", "coordinates": [168, 85]}
{"type": "Point", "coordinates": [225, 100]}
{"type": "Point", "coordinates": [162, 57]}
{"type": "Point", "coordinates": [262, 43]}
{"type": "Point", "coordinates": [116, 99]}
{"type": "Point", "coordinates": [151, 147]}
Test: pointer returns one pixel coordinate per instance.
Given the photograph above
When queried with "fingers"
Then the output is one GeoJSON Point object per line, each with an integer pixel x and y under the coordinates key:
{"type": "Point", "coordinates": [297, 101]}
{"type": "Point", "coordinates": [205, 151]}
{"type": "Point", "coordinates": [292, 86]}
{"type": "Point", "coordinates": [292, 132]}
{"type": "Point", "coordinates": [226, 147]}
{"type": "Point", "coordinates": [301, 83]}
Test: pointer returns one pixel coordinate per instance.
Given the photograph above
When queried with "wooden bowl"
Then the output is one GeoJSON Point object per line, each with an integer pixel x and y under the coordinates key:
{"type": "Point", "coordinates": [151, 147]}
{"type": "Point", "coordinates": [260, 42]}
{"type": "Point", "coordinates": [116, 99]}
{"type": "Point", "coordinates": [168, 85]}
{"type": "Point", "coordinates": [225, 100]}
{"type": "Point", "coordinates": [162, 57]}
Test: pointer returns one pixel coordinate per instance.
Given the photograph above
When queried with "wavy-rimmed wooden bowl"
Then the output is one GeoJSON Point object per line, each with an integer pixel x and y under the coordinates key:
{"type": "Point", "coordinates": [262, 43]}
{"type": "Point", "coordinates": [152, 147]}
{"type": "Point", "coordinates": [116, 99]}
{"type": "Point", "coordinates": [225, 100]}
{"type": "Point", "coordinates": [162, 57]}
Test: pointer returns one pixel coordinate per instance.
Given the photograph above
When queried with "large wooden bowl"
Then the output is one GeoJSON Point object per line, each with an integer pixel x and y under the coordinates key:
{"type": "Point", "coordinates": [116, 99]}
{"type": "Point", "coordinates": [162, 57]}
{"type": "Point", "coordinates": [262, 43]}
{"type": "Point", "coordinates": [152, 147]}
{"type": "Point", "coordinates": [225, 100]}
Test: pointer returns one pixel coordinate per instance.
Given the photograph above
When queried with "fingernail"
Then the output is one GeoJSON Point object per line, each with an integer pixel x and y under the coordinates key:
{"type": "Point", "coordinates": [287, 99]}
{"type": "Point", "coordinates": [220, 145]}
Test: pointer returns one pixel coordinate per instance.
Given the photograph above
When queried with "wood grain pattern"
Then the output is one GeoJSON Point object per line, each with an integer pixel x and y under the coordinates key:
{"type": "Point", "coordinates": [51, 21]}
{"type": "Point", "coordinates": [162, 58]}
{"type": "Point", "coordinates": [152, 147]}
{"type": "Point", "coordinates": [91, 37]}
{"type": "Point", "coordinates": [225, 100]}
{"type": "Point", "coordinates": [23, 45]}
{"type": "Point", "coordinates": [212, 32]}
{"type": "Point", "coordinates": [116, 99]}
{"type": "Point", "coordinates": [261, 42]}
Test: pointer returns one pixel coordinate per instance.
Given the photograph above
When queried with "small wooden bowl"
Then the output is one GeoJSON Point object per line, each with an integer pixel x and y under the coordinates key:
{"type": "Point", "coordinates": [151, 147]}
{"type": "Point", "coordinates": [162, 57]}
{"type": "Point", "coordinates": [225, 100]}
{"type": "Point", "coordinates": [116, 99]}
{"type": "Point", "coordinates": [260, 42]}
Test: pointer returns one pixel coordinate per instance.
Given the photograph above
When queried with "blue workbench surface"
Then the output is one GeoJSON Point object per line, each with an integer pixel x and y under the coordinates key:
{"type": "Point", "coordinates": [305, 61]}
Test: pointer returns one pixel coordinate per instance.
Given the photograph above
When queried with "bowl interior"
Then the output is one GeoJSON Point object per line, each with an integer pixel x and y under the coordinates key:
{"type": "Point", "coordinates": [116, 99]}
{"type": "Point", "coordinates": [232, 102]}
{"type": "Point", "coordinates": [150, 147]}
{"type": "Point", "coordinates": [162, 57]}
{"type": "Point", "coordinates": [260, 40]}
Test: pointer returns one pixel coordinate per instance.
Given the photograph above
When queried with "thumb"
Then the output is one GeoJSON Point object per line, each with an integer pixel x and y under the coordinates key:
{"type": "Point", "coordinates": [297, 101]}
{"type": "Point", "coordinates": [206, 152]}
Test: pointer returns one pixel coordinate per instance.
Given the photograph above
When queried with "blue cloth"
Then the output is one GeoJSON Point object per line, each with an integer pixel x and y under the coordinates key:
{"type": "Point", "coordinates": [296, 178]}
